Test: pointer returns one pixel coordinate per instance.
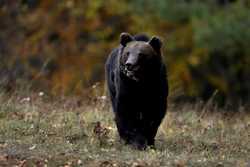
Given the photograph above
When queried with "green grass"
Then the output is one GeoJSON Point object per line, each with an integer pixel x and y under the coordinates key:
{"type": "Point", "coordinates": [65, 132]}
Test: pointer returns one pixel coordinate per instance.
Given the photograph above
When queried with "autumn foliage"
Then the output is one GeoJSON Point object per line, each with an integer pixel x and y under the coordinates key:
{"type": "Point", "coordinates": [61, 46]}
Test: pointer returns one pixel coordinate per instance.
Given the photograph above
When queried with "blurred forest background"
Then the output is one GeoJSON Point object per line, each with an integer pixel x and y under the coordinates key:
{"type": "Point", "coordinates": [60, 46]}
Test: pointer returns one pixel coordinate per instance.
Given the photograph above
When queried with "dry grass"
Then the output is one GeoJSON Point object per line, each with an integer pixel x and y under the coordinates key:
{"type": "Point", "coordinates": [39, 131]}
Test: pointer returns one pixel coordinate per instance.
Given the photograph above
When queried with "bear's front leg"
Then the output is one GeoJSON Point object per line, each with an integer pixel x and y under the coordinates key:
{"type": "Point", "coordinates": [130, 131]}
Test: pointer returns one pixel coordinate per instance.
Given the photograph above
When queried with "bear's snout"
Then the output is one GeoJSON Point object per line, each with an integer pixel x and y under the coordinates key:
{"type": "Point", "coordinates": [131, 63]}
{"type": "Point", "coordinates": [129, 66]}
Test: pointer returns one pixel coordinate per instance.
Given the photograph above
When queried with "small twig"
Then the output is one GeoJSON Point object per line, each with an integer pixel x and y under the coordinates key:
{"type": "Point", "coordinates": [207, 104]}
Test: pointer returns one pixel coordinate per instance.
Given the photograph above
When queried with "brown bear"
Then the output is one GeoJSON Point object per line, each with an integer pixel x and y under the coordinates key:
{"type": "Point", "coordinates": [138, 88]}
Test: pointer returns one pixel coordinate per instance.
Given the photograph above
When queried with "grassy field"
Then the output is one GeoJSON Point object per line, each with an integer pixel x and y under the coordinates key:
{"type": "Point", "coordinates": [36, 130]}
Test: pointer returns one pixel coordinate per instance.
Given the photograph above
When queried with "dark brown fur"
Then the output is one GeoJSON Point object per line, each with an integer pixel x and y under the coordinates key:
{"type": "Point", "coordinates": [137, 83]}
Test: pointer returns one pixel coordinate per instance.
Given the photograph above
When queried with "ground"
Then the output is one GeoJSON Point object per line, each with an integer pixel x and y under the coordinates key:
{"type": "Point", "coordinates": [36, 130]}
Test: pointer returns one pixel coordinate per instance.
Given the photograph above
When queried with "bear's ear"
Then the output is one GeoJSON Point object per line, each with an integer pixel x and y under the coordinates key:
{"type": "Point", "coordinates": [156, 43]}
{"type": "Point", "coordinates": [125, 38]}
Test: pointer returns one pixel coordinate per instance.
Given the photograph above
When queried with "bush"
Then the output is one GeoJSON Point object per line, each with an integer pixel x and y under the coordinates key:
{"type": "Point", "coordinates": [225, 36]}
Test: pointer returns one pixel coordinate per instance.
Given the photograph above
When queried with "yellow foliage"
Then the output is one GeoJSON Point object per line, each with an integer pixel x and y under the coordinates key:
{"type": "Point", "coordinates": [65, 44]}
{"type": "Point", "coordinates": [197, 56]}
{"type": "Point", "coordinates": [219, 82]}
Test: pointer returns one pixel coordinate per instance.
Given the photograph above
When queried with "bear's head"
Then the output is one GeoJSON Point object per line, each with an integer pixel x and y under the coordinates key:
{"type": "Point", "coordinates": [139, 56]}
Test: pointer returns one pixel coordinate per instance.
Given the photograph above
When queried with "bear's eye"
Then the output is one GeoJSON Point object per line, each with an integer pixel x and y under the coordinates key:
{"type": "Point", "coordinates": [127, 54]}
{"type": "Point", "coordinates": [142, 55]}
{"type": "Point", "coordinates": [143, 58]}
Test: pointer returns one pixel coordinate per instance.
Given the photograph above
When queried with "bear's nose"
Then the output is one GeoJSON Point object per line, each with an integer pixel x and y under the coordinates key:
{"type": "Point", "coordinates": [129, 66]}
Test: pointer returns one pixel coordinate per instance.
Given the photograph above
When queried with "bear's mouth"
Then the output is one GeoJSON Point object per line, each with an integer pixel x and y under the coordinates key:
{"type": "Point", "coordinates": [131, 74]}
